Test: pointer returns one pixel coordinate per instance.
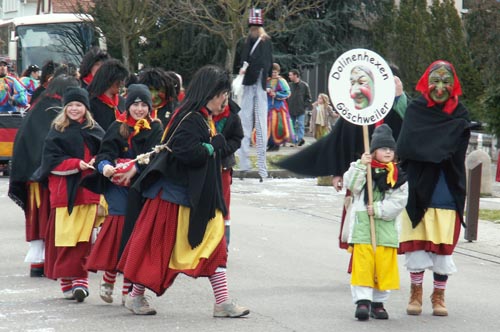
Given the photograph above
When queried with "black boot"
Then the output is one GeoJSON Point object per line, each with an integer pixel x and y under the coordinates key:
{"type": "Point", "coordinates": [378, 311]}
{"type": "Point", "coordinates": [362, 309]}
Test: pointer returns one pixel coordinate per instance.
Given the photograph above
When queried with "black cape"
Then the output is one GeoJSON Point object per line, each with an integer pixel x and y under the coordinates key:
{"type": "Point", "coordinates": [114, 146]}
{"type": "Point", "coordinates": [187, 164]}
{"type": "Point", "coordinates": [330, 155]}
{"type": "Point", "coordinates": [431, 141]}
{"type": "Point", "coordinates": [59, 146]}
{"type": "Point", "coordinates": [28, 145]}
{"type": "Point", "coordinates": [104, 114]}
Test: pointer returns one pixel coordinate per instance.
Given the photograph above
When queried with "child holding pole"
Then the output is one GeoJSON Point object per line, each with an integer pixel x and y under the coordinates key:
{"type": "Point", "coordinates": [375, 268]}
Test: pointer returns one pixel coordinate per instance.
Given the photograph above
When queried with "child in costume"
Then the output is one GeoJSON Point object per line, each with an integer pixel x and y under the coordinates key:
{"type": "Point", "coordinates": [67, 156]}
{"type": "Point", "coordinates": [132, 134]}
{"type": "Point", "coordinates": [374, 274]}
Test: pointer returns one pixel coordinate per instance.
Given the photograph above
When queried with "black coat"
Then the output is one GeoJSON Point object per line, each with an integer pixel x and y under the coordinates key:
{"type": "Point", "coordinates": [59, 146]}
{"type": "Point", "coordinates": [186, 163]}
{"type": "Point", "coordinates": [28, 145]}
{"type": "Point", "coordinates": [260, 60]}
{"type": "Point", "coordinates": [233, 133]}
{"type": "Point", "coordinates": [104, 114]}
{"type": "Point", "coordinates": [114, 146]}
{"type": "Point", "coordinates": [431, 141]}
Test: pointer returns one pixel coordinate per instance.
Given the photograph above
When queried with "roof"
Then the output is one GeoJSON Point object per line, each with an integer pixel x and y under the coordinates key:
{"type": "Point", "coordinates": [47, 18]}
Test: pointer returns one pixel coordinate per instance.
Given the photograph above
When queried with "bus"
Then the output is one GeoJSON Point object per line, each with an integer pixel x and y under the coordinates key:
{"type": "Point", "coordinates": [35, 39]}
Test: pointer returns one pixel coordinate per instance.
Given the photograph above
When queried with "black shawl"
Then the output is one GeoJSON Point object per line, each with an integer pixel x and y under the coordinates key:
{"type": "Point", "coordinates": [431, 141]}
{"type": "Point", "coordinates": [114, 146]}
{"type": "Point", "coordinates": [28, 145]}
{"type": "Point", "coordinates": [188, 164]}
{"type": "Point", "coordinates": [59, 146]}
{"type": "Point", "coordinates": [332, 154]}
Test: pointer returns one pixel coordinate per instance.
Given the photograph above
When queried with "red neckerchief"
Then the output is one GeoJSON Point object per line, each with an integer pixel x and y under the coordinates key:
{"type": "Point", "coordinates": [222, 115]}
{"type": "Point", "coordinates": [423, 87]}
{"type": "Point", "coordinates": [55, 96]}
{"type": "Point", "coordinates": [88, 79]}
{"type": "Point", "coordinates": [392, 171]}
{"type": "Point", "coordinates": [138, 125]}
{"type": "Point", "coordinates": [111, 102]}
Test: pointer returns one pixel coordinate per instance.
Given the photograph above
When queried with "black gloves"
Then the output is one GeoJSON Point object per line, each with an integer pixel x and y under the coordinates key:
{"type": "Point", "coordinates": [218, 142]}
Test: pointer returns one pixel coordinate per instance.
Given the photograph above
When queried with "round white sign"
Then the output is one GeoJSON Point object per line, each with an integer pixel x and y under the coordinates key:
{"type": "Point", "coordinates": [361, 87]}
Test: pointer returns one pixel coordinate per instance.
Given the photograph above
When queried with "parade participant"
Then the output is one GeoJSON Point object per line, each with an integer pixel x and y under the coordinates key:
{"type": "Point", "coordinates": [374, 274]}
{"type": "Point", "coordinates": [278, 119]}
{"type": "Point", "coordinates": [228, 123]}
{"type": "Point", "coordinates": [321, 117]}
{"type": "Point", "coordinates": [48, 70]}
{"type": "Point", "coordinates": [30, 79]}
{"type": "Point", "coordinates": [180, 228]}
{"type": "Point", "coordinates": [91, 62]}
{"type": "Point", "coordinates": [12, 92]}
{"type": "Point", "coordinates": [67, 155]}
{"type": "Point", "coordinates": [32, 197]}
{"type": "Point", "coordinates": [298, 103]}
{"type": "Point", "coordinates": [163, 91]}
{"type": "Point", "coordinates": [104, 90]}
{"type": "Point", "coordinates": [257, 60]}
{"type": "Point", "coordinates": [436, 179]}
{"type": "Point", "coordinates": [133, 133]}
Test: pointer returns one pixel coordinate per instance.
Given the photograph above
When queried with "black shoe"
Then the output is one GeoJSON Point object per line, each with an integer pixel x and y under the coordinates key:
{"type": "Point", "coordinates": [36, 272]}
{"type": "Point", "coordinates": [378, 311]}
{"type": "Point", "coordinates": [362, 310]}
{"type": "Point", "coordinates": [301, 142]}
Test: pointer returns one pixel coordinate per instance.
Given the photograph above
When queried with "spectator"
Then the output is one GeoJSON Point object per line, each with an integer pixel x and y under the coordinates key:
{"type": "Point", "coordinates": [298, 103]}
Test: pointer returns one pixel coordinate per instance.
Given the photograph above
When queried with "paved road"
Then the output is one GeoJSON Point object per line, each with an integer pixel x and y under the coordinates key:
{"type": "Point", "coordinates": [284, 264]}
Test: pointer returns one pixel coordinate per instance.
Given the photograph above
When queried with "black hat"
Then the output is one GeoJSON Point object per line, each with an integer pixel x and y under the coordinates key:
{"type": "Point", "coordinates": [136, 93]}
{"type": "Point", "coordinates": [76, 94]}
{"type": "Point", "coordinates": [33, 68]}
{"type": "Point", "coordinates": [382, 138]}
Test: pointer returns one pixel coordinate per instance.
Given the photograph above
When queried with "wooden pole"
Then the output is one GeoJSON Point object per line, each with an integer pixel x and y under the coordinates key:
{"type": "Point", "coordinates": [369, 188]}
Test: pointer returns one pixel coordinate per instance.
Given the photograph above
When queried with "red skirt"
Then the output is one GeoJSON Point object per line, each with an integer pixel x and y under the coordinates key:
{"type": "Point", "coordinates": [64, 262]}
{"type": "Point", "coordinates": [104, 253]}
{"type": "Point", "coordinates": [227, 179]}
{"type": "Point", "coordinates": [146, 257]}
{"type": "Point", "coordinates": [37, 217]}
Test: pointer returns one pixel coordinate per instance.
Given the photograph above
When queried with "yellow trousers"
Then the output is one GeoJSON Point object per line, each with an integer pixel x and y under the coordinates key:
{"type": "Point", "coordinates": [379, 270]}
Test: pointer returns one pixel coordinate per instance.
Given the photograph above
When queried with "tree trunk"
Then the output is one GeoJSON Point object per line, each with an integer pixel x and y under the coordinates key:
{"type": "Point", "coordinates": [125, 52]}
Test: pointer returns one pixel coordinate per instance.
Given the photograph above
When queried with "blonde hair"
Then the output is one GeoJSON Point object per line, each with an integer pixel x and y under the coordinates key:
{"type": "Point", "coordinates": [326, 99]}
{"type": "Point", "coordinates": [258, 31]}
{"type": "Point", "coordinates": [61, 122]}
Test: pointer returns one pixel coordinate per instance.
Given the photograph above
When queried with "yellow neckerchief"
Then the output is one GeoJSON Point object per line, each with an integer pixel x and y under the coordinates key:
{"type": "Point", "coordinates": [392, 171]}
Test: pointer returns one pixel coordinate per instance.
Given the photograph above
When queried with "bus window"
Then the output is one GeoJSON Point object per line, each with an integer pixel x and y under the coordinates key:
{"type": "Point", "coordinates": [61, 42]}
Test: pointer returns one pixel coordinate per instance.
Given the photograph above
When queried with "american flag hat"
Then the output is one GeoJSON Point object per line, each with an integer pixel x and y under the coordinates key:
{"type": "Point", "coordinates": [255, 17]}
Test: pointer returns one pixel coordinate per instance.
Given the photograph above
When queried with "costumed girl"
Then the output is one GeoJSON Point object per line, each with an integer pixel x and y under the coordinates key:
{"type": "Point", "coordinates": [132, 134]}
{"type": "Point", "coordinates": [375, 274]}
{"type": "Point", "coordinates": [31, 196]}
{"type": "Point", "coordinates": [67, 155]}
{"type": "Point", "coordinates": [180, 228]}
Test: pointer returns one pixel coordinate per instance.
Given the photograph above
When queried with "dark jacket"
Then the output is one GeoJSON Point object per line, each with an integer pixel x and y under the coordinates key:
{"type": "Point", "coordinates": [187, 163]}
{"type": "Point", "coordinates": [105, 114]}
{"type": "Point", "coordinates": [260, 60]}
{"type": "Point", "coordinates": [28, 145]}
{"type": "Point", "coordinates": [300, 98]}
{"type": "Point", "coordinates": [233, 133]}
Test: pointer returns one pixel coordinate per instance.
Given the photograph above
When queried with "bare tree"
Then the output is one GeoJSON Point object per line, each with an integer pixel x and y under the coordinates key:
{"type": "Point", "coordinates": [228, 19]}
{"type": "Point", "coordinates": [124, 20]}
